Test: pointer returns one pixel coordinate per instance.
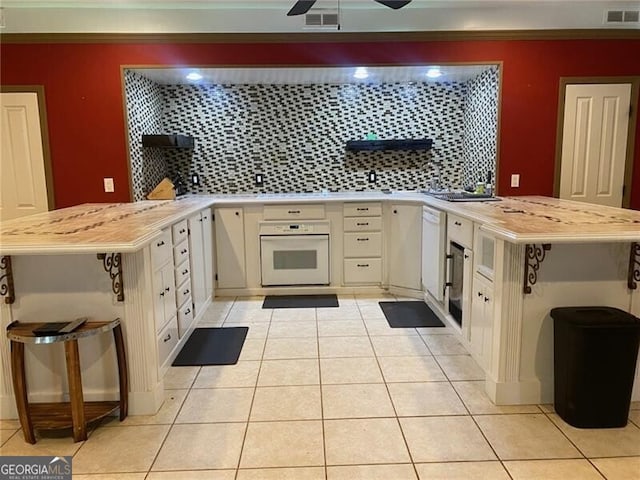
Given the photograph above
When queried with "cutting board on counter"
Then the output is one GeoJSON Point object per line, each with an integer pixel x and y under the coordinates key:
{"type": "Point", "coordinates": [163, 191]}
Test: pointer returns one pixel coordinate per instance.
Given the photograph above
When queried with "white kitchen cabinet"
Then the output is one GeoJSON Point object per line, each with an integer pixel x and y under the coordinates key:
{"type": "Point", "coordinates": [405, 246]}
{"type": "Point", "coordinates": [481, 320]}
{"type": "Point", "coordinates": [230, 248]}
{"type": "Point", "coordinates": [207, 244]}
{"type": "Point", "coordinates": [434, 228]}
{"type": "Point", "coordinates": [164, 296]}
{"type": "Point", "coordinates": [362, 243]}
{"type": "Point", "coordinates": [196, 247]}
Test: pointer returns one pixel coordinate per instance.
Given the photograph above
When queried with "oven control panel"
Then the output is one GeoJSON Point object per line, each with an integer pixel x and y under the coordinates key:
{"type": "Point", "coordinates": [288, 228]}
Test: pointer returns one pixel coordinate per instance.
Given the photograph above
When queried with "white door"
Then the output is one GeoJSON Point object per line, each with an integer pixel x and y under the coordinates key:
{"type": "Point", "coordinates": [594, 142]}
{"type": "Point", "coordinates": [22, 175]}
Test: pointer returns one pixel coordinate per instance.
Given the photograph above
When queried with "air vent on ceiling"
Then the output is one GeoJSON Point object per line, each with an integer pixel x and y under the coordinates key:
{"type": "Point", "coordinates": [322, 19]}
{"type": "Point", "coordinates": [622, 17]}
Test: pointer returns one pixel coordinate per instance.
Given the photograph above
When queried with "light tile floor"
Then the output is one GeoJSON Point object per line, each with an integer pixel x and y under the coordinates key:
{"type": "Point", "coordinates": [336, 394]}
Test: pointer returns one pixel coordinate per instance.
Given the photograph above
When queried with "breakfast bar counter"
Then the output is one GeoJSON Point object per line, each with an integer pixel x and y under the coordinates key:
{"type": "Point", "coordinates": [108, 261]}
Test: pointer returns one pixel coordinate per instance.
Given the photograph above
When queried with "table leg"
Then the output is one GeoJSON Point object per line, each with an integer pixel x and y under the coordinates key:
{"type": "Point", "coordinates": [18, 375]}
{"type": "Point", "coordinates": [75, 390]}
{"type": "Point", "coordinates": [122, 372]}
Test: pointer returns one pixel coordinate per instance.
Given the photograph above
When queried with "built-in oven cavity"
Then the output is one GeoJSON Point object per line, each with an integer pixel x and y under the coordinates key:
{"type": "Point", "coordinates": [294, 253]}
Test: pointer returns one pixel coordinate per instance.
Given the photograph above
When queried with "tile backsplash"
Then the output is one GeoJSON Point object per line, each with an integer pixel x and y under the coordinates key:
{"type": "Point", "coordinates": [295, 135]}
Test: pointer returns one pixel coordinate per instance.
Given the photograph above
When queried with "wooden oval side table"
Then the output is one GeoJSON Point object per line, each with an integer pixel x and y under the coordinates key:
{"type": "Point", "coordinates": [76, 413]}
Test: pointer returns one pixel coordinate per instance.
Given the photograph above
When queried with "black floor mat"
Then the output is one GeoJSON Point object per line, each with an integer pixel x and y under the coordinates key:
{"type": "Point", "coordinates": [212, 346]}
{"type": "Point", "coordinates": [409, 315]}
{"type": "Point", "coordinates": [300, 301]}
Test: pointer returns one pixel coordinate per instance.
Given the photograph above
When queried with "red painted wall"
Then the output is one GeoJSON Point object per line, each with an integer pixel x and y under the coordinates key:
{"type": "Point", "coordinates": [85, 108]}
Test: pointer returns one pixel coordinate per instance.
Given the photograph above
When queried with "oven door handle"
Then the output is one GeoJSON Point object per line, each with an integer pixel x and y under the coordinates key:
{"type": "Point", "coordinates": [447, 283]}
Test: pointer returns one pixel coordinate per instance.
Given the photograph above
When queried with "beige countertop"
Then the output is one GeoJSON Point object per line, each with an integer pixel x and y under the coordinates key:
{"type": "Point", "coordinates": [127, 227]}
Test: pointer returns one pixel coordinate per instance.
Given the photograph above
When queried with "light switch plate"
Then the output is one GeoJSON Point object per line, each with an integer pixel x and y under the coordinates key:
{"type": "Point", "coordinates": [515, 180]}
{"type": "Point", "coordinates": [108, 185]}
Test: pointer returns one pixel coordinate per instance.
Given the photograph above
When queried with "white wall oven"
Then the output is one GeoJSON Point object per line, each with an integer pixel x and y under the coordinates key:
{"type": "Point", "coordinates": [294, 253]}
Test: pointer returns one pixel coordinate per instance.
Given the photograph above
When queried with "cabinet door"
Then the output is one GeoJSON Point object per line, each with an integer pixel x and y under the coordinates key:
{"type": "Point", "coordinates": [481, 320]}
{"type": "Point", "coordinates": [196, 252]}
{"type": "Point", "coordinates": [230, 259]}
{"type": "Point", "coordinates": [405, 246]}
{"type": "Point", "coordinates": [207, 247]}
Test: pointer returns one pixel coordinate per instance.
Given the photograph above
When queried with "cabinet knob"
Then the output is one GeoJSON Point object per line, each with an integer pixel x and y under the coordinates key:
{"type": "Point", "coordinates": [182, 231]}
{"type": "Point", "coordinates": [466, 256]}
{"type": "Point", "coordinates": [167, 338]}
{"type": "Point", "coordinates": [185, 271]}
{"type": "Point", "coordinates": [186, 292]}
{"type": "Point", "coordinates": [166, 289]}
{"type": "Point", "coordinates": [237, 213]}
{"type": "Point", "coordinates": [486, 299]}
{"type": "Point", "coordinates": [479, 294]}
{"type": "Point", "coordinates": [395, 211]}
{"type": "Point", "coordinates": [159, 244]}
{"type": "Point", "coordinates": [162, 294]}
{"type": "Point", "coordinates": [366, 209]}
{"type": "Point", "coordinates": [293, 211]}
{"type": "Point", "coordinates": [457, 223]}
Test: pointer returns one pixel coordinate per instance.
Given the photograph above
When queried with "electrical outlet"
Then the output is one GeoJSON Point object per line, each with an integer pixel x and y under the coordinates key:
{"type": "Point", "coordinates": [108, 185]}
{"type": "Point", "coordinates": [259, 179]}
{"type": "Point", "coordinates": [195, 178]}
{"type": "Point", "coordinates": [515, 180]}
{"type": "Point", "coordinates": [372, 176]}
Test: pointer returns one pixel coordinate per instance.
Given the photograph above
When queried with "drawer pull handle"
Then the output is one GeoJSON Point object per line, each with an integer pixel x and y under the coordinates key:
{"type": "Point", "coordinates": [166, 289]}
{"type": "Point", "coordinates": [486, 299]}
{"type": "Point", "coordinates": [185, 271]}
{"type": "Point", "coordinates": [186, 292]}
{"type": "Point", "coordinates": [293, 211]}
{"type": "Point", "coordinates": [363, 265]}
{"type": "Point", "coordinates": [159, 244]}
{"type": "Point", "coordinates": [182, 231]}
{"type": "Point", "coordinates": [466, 256]}
{"type": "Point", "coordinates": [364, 209]}
{"type": "Point", "coordinates": [182, 252]}
{"type": "Point", "coordinates": [167, 338]}
{"type": "Point", "coordinates": [162, 294]}
{"type": "Point", "coordinates": [457, 223]}
{"type": "Point", "coordinates": [187, 311]}
{"type": "Point", "coordinates": [479, 294]}
{"type": "Point", "coordinates": [363, 224]}
{"type": "Point", "coordinates": [362, 239]}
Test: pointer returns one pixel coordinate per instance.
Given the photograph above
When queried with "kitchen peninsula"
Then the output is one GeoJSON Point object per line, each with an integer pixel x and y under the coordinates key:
{"type": "Point", "coordinates": [152, 265]}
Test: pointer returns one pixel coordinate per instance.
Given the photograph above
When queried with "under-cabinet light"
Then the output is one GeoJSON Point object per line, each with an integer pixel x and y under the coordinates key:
{"type": "Point", "coordinates": [194, 76]}
{"type": "Point", "coordinates": [434, 72]}
{"type": "Point", "coordinates": [361, 72]}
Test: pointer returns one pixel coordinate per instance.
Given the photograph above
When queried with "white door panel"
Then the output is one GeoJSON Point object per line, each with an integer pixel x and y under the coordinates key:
{"type": "Point", "coordinates": [596, 120]}
{"type": "Point", "coordinates": [22, 174]}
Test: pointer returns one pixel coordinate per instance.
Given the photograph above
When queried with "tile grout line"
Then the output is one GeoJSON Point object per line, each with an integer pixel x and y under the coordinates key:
{"type": "Point", "coordinates": [324, 437]}
{"type": "Point", "coordinates": [253, 397]}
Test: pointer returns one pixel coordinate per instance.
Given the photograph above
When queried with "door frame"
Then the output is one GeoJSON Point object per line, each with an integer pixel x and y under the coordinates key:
{"type": "Point", "coordinates": [44, 133]}
{"type": "Point", "coordinates": [631, 138]}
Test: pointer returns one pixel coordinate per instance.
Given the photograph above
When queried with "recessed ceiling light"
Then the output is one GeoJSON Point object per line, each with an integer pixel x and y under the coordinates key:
{"type": "Point", "coordinates": [434, 72]}
{"type": "Point", "coordinates": [361, 72]}
{"type": "Point", "coordinates": [194, 76]}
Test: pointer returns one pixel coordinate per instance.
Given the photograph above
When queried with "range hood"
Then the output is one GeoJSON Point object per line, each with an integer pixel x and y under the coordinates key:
{"type": "Point", "coordinates": [167, 141]}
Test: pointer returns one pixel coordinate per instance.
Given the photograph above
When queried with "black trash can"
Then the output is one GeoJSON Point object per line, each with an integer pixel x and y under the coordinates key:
{"type": "Point", "coordinates": [595, 353]}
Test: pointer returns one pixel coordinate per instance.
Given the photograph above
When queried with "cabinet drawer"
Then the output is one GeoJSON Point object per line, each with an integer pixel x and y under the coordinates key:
{"type": "Point", "coordinates": [460, 230]}
{"type": "Point", "coordinates": [179, 231]}
{"type": "Point", "coordinates": [293, 212]}
{"type": "Point", "coordinates": [183, 272]}
{"type": "Point", "coordinates": [167, 340]}
{"type": "Point", "coordinates": [185, 317]}
{"type": "Point", "coordinates": [183, 292]}
{"type": "Point", "coordinates": [180, 252]}
{"type": "Point", "coordinates": [366, 244]}
{"type": "Point", "coordinates": [362, 209]}
{"type": "Point", "coordinates": [161, 249]}
{"type": "Point", "coordinates": [362, 224]}
{"type": "Point", "coordinates": [362, 270]}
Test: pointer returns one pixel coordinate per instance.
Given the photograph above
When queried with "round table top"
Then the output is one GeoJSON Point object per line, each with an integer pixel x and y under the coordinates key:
{"type": "Point", "coordinates": [24, 332]}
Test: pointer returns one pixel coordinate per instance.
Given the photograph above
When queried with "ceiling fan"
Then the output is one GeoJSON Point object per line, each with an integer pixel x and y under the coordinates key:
{"type": "Point", "coordinates": [303, 6]}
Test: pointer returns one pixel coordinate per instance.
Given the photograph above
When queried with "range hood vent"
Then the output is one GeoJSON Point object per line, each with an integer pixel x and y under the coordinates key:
{"type": "Point", "coordinates": [167, 141]}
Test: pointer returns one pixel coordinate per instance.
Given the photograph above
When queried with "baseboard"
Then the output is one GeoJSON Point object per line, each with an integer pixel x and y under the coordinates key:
{"type": "Point", "coordinates": [515, 393]}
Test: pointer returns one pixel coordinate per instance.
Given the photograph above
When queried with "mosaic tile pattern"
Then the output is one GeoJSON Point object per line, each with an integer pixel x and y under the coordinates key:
{"type": "Point", "coordinates": [144, 114]}
{"type": "Point", "coordinates": [295, 135]}
{"type": "Point", "coordinates": [479, 145]}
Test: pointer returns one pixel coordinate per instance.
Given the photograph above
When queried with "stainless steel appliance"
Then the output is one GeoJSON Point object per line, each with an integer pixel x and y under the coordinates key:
{"type": "Point", "coordinates": [457, 258]}
{"type": "Point", "coordinates": [294, 253]}
{"type": "Point", "coordinates": [434, 228]}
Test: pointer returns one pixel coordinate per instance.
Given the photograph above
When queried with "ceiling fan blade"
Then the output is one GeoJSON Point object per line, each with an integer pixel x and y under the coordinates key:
{"type": "Point", "coordinates": [395, 4]}
{"type": "Point", "coordinates": [300, 7]}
